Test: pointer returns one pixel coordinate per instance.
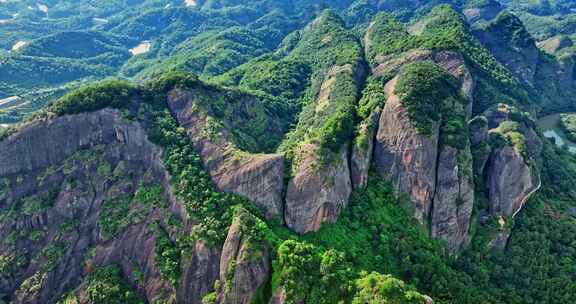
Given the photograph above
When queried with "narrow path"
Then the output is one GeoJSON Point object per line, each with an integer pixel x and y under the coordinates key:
{"type": "Point", "coordinates": [528, 197]}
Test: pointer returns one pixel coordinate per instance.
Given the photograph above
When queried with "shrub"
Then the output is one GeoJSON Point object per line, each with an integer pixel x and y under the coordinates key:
{"type": "Point", "coordinates": [167, 257]}
{"type": "Point", "coordinates": [107, 285]}
{"type": "Point", "coordinates": [113, 93]}
{"type": "Point", "coordinates": [423, 87]}
{"type": "Point", "coordinates": [379, 289]}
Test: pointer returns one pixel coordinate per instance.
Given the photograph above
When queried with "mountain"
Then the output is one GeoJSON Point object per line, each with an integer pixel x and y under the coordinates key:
{"type": "Point", "coordinates": [308, 151]}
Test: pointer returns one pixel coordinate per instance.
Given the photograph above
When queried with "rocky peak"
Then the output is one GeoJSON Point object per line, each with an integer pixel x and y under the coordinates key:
{"type": "Point", "coordinates": [245, 262]}
{"type": "Point", "coordinates": [320, 180]}
{"type": "Point", "coordinates": [476, 11]}
{"type": "Point", "coordinates": [404, 156]}
{"type": "Point", "coordinates": [512, 45]}
{"type": "Point", "coordinates": [510, 172]}
{"type": "Point", "coordinates": [436, 176]}
{"type": "Point", "coordinates": [318, 191]}
{"type": "Point", "coordinates": [90, 162]}
{"type": "Point", "coordinates": [257, 177]}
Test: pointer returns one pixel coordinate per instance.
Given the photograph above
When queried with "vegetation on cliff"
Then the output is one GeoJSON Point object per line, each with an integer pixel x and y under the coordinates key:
{"type": "Point", "coordinates": [277, 96]}
{"type": "Point", "coordinates": [568, 124]}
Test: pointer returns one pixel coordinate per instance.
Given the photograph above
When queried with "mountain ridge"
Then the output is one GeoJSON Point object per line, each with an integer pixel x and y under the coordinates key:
{"type": "Point", "coordinates": [302, 176]}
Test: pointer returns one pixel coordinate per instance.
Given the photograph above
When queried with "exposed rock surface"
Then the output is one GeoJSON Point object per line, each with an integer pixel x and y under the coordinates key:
{"type": "Point", "coordinates": [510, 176]}
{"type": "Point", "coordinates": [452, 62]}
{"type": "Point", "coordinates": [405, 157]}
{"type": "Point", "coordinates": [478, 130]}
{"type": "Point", "coordinates": [513, 46]}
{"type": "Point", "coordinates": [485, 12]}
{"type": "Point", "coordinates": [40, 144]}
{"type": "Point", "coordinates": [107, 157]}
{"type": "Point", "coordinates": [434, 176]}
{"type": "Point", "coordinates": [244, 267]}
{"type": "Point", "coordinates": [318, 191]}
{"type": "Point", "coordinates": [199, 274]}
{"type": "Point", "coordinates": [453, 200]}
{"type": "Point", "coordinates": [392, 64]}
{"type": "Point", "coordinates": [256, 177]}
{"type": "Point", "coordinates": [510, 181]}
{"type": "Point", "coordinates": [363, 149]}
{"type": "Point", "coordinates": [321, 180]}
{"type": "Point", "coordinates": [133, 251]}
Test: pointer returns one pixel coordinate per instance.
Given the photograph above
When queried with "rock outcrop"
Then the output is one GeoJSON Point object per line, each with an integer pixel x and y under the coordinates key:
{"type": "Point", "coordinates": [318, 191]}
{"type": "Point", "coordinates": [199, 274]}
{"type": "Point", "coordinates": [405, 157]}
{"type": "Point", "coordinates": [256, 177]}
{"type": "Point", "coordinates": [133, 251]}
{"type": "Point", "coordinates": [510, 174]}
{"type": "Point", "coordinates": [362, 150]}
{"type": "Point", "coordinates": [75, 165]}
{"type": "Point", "coordinates": [321, 180]}
{"type": "Point", "coordinates": [486, 11]}
{"type": "Point", "coordinates": [478, 130]}
{"type": "Point", "coordinates": [510, 181]}
{"type": "Point", "coordinates": [454, 198]}
{"type": "Point", "coordinates": [512, 45]}
{"type": "Point", "coordinates": [68, 184]}
{"type": "Point", "coordinates": [437, 178]}
{"type": "Point", "coordinates": [245, 263]}
{"type": "Point", "coordinates": [41, 144]}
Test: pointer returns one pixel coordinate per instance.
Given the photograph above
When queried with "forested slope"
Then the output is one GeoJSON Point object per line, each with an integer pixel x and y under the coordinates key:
{"type": "Point", "coordinates": [286, 152]}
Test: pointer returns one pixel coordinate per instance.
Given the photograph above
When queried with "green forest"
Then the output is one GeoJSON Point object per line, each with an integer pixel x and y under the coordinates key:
{"type": "Point", "coordinates": [406, 136]}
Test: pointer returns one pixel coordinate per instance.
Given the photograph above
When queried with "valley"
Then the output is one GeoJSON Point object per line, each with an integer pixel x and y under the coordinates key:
{"type": "Point", "coordinates": [287, 152]}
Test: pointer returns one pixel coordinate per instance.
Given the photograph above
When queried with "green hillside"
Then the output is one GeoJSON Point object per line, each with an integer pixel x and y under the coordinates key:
{"type": "Point", "coordinates": [287, 152]}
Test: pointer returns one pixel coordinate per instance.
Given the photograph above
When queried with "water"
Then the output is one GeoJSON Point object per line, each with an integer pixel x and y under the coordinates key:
{"type": "Point", "coordinates": [557, 138]}
{"type": "Point", "coordinates": [550, 125]}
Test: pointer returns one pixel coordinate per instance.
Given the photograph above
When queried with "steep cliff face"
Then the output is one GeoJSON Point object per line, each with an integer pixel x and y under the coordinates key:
{"type": "Point", "coordinates": [483, 11]}
{"type": "Point", "coordinates": [257, 177]}
{"type": "Point", "coordinates": [60, 217]}
{"type": "Point", "coordinates": [478, 130]}
{"type": "Point", "coordinates": [513, 46]}
{"type": "Point", "coordinates": [57, 141]}
{"type": "Point", "coordinates": [406, 157]}
{"type": "Point", "coordinates": [454, 198]}
{"type": "Point", "coordinates": [199, 274]}
{"type": "Point", "coordinates": [83, 192]}
{"type": "Point", "coordinates": [363, 149]}
{"type": "Point", "coordinates": [321, 180]}
{"type": "Point", "coordinates": [99, 195]}
{"type": "Point", "coordinates": [511, 176]}
{"type": "Point", "coordinates": [317, 192]}
{"type": "Point", "coordinates": [245, 263]}
{"type": "Point", "coordinates": [319, 187]}
{"type": "Point", "coordinates": [510, 181]}
{"type": "Point", "coordinates": [436, 176]}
